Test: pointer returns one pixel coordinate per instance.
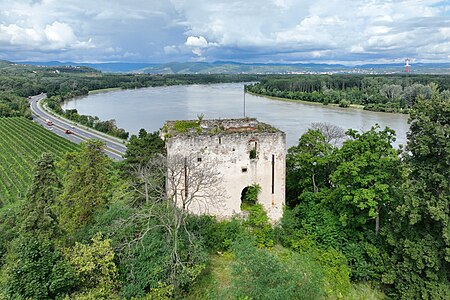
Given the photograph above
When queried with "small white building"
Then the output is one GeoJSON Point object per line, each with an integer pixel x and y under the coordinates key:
{"type": "Point", "coordinates": [243, 151]}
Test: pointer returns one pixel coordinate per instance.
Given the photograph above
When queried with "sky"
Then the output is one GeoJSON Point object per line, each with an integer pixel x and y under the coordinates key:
{"type": "Point", "coordinates": [249, 31]}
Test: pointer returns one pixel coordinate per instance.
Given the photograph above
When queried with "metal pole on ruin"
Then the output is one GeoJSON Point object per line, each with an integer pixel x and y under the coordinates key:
{"type": "Point", "coordinates": [244, 100]}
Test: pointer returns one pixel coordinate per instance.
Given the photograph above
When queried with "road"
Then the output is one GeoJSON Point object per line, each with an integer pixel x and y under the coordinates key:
{"type": "Point", "coordinates": [114, 147]}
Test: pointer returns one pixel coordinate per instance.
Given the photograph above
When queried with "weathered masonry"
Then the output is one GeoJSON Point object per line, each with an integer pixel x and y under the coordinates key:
{"type": "Point", "coordinates": [243, 151]}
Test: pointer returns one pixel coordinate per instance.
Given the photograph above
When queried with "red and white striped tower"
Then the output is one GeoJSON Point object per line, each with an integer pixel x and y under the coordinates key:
{"type": "Point", "coordinates": [407, 60]}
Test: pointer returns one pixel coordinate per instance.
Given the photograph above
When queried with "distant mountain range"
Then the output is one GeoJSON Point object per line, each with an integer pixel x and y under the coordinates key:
{"type": "Point", "coordinates": [104, 67]}
{"type": "Point", "coordinates": [226, 67]}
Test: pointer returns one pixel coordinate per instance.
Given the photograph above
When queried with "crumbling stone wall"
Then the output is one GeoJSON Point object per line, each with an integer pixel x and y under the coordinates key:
{"type": "Point", "coordinates": [245, 152]}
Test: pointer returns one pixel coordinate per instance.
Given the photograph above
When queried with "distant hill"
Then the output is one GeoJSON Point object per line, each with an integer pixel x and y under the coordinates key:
{"type": "Point", "coordinates": [227, 67]}
{"type": "Point", "coordinates": [17, 68]}
{"type": "Point", "coordinates": [104, 67]}
{"type": "Point", "coordinates": [4, 63]}
{"type": "Point", "coordinates": [238, 68]}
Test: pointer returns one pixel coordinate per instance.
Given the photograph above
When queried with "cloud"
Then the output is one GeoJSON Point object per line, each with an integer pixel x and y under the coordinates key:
{"type": "Point", "coordinates": [17, 35]}
{"type": "Point", "coordinates": [333, 30]}
{"type": "Point", "coordinates": [357, 49]}
{"type": "Point", "coordinates": [170, 50]}
{"type": "Point", "coordinates": [60, 34]}
{"type": "Point", "coordinates": [54, 36]}
{"type": "Point", "coordinates": [198, 44]}
{"type": "Point", "coordinates": [251, 30]}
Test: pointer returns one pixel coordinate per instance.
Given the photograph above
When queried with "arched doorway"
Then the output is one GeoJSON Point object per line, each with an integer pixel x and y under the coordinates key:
{"type": "Point", "coordinates": [249, 196]}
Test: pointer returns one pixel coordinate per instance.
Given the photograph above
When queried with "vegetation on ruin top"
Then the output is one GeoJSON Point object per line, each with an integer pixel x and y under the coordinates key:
{"type": "Point", "coordinates": [215, 126]}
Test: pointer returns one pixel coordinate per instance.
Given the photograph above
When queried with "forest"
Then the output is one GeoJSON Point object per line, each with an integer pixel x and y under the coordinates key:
{"type": "Point", "coordinates": [386, 93]}
{"type": "Point", "coordinates": [362, 221]}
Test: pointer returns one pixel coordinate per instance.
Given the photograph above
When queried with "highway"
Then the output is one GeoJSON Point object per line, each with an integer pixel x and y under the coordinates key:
{"type": "Point", "coordinates": [114, 147]}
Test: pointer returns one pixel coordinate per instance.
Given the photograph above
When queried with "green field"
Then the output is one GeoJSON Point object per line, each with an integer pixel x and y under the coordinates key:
{"type": "Point", "coordinates": [21, 143]}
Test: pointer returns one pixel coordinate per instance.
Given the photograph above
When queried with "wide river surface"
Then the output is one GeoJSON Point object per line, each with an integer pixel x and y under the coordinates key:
{"type": "Point", "coordinates": [149, 108]}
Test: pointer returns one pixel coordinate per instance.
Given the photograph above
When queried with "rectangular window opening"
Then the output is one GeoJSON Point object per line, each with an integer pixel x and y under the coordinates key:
{"type": "Point", "coordinates": [273, 173]}
{"type": "Point", "coordinates": [244, 169]}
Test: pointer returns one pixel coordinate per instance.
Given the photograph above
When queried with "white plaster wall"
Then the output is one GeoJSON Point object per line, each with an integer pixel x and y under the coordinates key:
{"type": "Point", "coordinates": [229, 156]}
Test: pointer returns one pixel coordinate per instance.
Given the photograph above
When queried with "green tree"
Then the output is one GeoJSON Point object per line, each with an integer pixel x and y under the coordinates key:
{"type": "Point", "coordinates": [342, 194]}
{"type": "Point", "coordinates": [138, 165]}
{"type": "Point", "coordinates": [34, 268]}
{"type": "Point", "coordinates": [308, 165]}
{"type": "Point", "coordinates": [9, 224]}
{"type": "Point", "coordinates": [259, 226]}
{"type": "Point", "coordinates": [420, 231]}
{"type": "Point", "coordinates": [94, 268]}
{"type": "Point", "coordinates": [143, 147]}
{"type": "Point", "coordinates": [86, 186]}
{"type": "Point", "coordinates": [366, 177]}
{"type": "Point", "coordinates": [37, 213]}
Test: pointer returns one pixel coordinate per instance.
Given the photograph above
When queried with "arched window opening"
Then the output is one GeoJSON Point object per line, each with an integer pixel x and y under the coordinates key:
{"type": "Point", "coordinates": [249, 196]}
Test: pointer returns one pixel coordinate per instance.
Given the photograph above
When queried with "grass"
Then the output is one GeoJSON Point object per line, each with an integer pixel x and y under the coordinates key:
{"type": "Point", "coordinates": [215, 282]}
{"type": "Point", "coordinates": [183, 126]}
{"type": "Point", "coordinates": [364, 291]}
{"type": "Point", "coordinates": [104, 90]}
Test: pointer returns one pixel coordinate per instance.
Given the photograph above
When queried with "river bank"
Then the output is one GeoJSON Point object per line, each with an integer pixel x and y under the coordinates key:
{"type": "Point", "coordinates": [104, 90]}
{"type": "Point", "coordinates": [352, 106]}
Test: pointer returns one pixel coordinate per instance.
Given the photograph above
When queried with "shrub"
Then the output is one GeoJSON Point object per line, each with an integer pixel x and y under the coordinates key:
{"type": "Point", "coordinates": [262, 274]}
{"type": "Point", "coordinates": [344, 103]}
{"type": "Point", "coordinates": [259, 226]}
{"type": "Point", "coordinates": [35, 270]}
{"type": "Point", "coordinates": [336, 277]}
{"type": "Point", "coordinates": [184, 125]}
{"type": "Point", "coordinates": [251, 194]}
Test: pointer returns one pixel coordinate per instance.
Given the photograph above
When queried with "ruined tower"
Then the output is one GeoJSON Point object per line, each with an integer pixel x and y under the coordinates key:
{"type": "Point", "coordinates": [244, 152]}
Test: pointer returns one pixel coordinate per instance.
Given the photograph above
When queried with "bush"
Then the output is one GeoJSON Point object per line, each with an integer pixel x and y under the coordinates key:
{"type": "Point", "coordinates": [9, 223]}
{"type": "Point", "coordinates": [259, 226]}
{"type": "Point", "coordinates": [94, 265]}
{"type": "Point", "coordinates": [251, 194]}
{"type": "Point", "coordinates": [35, 270]}
{"type": "Point", "coordinates": [344, 103]}
{"type": "Point", "coordinates": [261, 274]}
{"type": "Point", "coordinates": [336, 278]}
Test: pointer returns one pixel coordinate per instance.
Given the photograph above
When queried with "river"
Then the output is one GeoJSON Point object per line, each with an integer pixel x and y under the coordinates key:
{"type": "Point", "coordinates": [149, 108]}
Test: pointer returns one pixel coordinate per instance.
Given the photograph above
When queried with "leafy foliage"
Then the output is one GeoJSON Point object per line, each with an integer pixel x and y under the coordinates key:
{"type": "Point", "coordinates": [341, 193]}
{"type": "Point", "coordinates": [36, 270]}
{"type": "Point", "coordinates": [37, 215]}
{"type": "Point", "coordinates": [184, 125]}
{"type": "Point", "coordinates": [93, 266]}
{"type": "Point", "coordinates": [420, 237]}
{"type": "Point", "coordinates": [250, 194]}
{"type": "Point", "coordinates": [143, 147]}
{"type": "Point", "coordinates": [259, 226]}
{"type": "Point", "coordinates": [308, 166]}
{"type": "Point", "coordinates": [9, 222]}
{"type": "Point", "coordinates": [13, 106]}
{"type": "Point", "coordinates": [366, 176]}
{"type": "Point", "coordinates": [260, 274]}
{"type": "Point", "coordinates": [85, 186]}
{"type": "Point", "coordinates": [387, 93]}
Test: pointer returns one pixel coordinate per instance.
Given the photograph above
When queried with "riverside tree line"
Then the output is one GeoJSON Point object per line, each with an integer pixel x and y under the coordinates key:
{"type": "Point", "coordinates": [387, 93]}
